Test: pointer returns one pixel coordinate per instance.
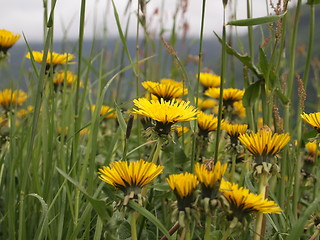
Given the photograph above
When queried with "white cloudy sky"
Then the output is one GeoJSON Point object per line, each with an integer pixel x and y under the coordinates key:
{"type": "Point", "coordinates": [26, 16]}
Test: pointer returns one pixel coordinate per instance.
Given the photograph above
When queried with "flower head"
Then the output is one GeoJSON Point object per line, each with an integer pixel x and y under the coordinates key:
{"type": "Point", "coordinates": [62, 77]}
{"type": "Point", "coordinates": [242, 202]}
{"type": "Point", "coordinates": [130, 176]}
{"type": "Point", "coordinates": [206, 103]}
{"type": "Point", "coordinates": [264, 144]}
{"type": "Point", "coordinates": [106, 111]}
{"type": "Point", "coordinates": [209, 80]}
{"type": "Point", "coordinates": [239, 109]}
{"type": "Point", "coordinates": [312, 119]}
{"type": "Point", "coordinates": [234, 130]}
{"type": "Point", "coordinates": [312, 148]}
{"type": "Point", "coordinates": [207, 123]}
{"type": "Point", "coordinates": [168, 89]}
{"type": "Point", "coordinates": [9, 97]}
{"type": "Point", "coordinates": [179, 129]}
{"type": "Point", "coordinates": [183, 185]}
{"type": "Point", "coordinates": [24, 112]}
{"type": "Point", "coordinates": [52, 58]}
{"type": "Point", "coordinates": [165, 113]}
{"type": "Point", "coordinates": [230, 95]}
{"type": "Point", "coordinates": [7, 40]}
{"type": "Point", "coordinates": [210, 178]}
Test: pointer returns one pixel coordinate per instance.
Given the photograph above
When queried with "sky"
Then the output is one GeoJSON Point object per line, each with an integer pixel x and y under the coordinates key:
{"type": "Point", "coordinates": [26, 16]}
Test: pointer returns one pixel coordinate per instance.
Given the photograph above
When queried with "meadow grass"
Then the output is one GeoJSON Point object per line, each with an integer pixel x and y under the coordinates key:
{"type": "Point", "coordinates": [55, 143]}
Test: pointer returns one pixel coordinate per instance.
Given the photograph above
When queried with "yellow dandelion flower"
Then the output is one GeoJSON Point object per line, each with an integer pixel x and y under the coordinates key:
{"type": "Point", "coordinates": [179, 129]}
{"type": "Point", "coordinates": [7, 40]}
{"type": "Point", "coordinates": [207, 123]}
{"type": "Point", "coordinates": [210, 179]}
{"type": "Point", "coordinates": [130, 176]}
{"type": "Point", "coordinates": [106, 111]}
{"type": "Point", "coordinates": [312, 119]}
{"type": "Point", "coordinates": [230, 95]}
{"type": "Point", "coordinates": [239, 109]}
{"type": "Point", "coordinates": [165, 113]}
{"type": "Point", "coordinates": [312, 148]}
{"type": "Point", "coordinates": [264, 144]}
{"type": "Point", "coordinates": [170, 81]}
{"type": "Point", "coordinates": [52, 58]}
{"type": "Point", "coordinates": [3, 121]}
{"type": "Point", "coordinates": [67, 77]}
{"type": "Point", "coordinates": [242, 202]}
{"type": "Point", "coordinates": [209, 80]}
{"type": "Point", "coordinates": [9, 97]}
{"type": "Point", "coordinates": [206, 103]}
{"type": "Point", "coordinates": [166, 89]}
{"type": "Point", "coordinates": [234, 130]}
{"type": "Point", "coordinates": [183, 185]}
{"type": "Point", "coordinates": [24, 112]}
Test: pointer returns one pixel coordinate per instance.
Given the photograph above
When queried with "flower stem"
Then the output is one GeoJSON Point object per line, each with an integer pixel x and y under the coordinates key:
{"type": "Point", "coordinates": [262, 189]}
{"type": "Point", "coordinates": [223, 75]}
{"type": "Point", "coordinates": [133, 223]}
{"type": "Point", "coordinates": [315, 235]}
{"type": "Point", "coordinates": [188, 234]}
{"type": "Point", "coordinates": [207, 228]}
{"type": "Point", "coordinates": [157, 151]}
{"type": "Point", "coordinates": [233, 167]}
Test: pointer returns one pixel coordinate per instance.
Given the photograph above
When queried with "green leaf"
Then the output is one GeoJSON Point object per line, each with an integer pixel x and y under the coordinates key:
{"type": "Point", "coordinates": [121, 121]}
{"type": "Point", "coordinates": [98, 205]}
{"type": "Point", "coordinates": [251, 94]}
{"type": "Point", "coordinates": [144, 212]}
{"type": "Point", "coordinates": [263, 62]}
{"type": "Point", "coordinates": [43, 226]}
{"type": "Point", "coordinates": [256, 21]}
{"type": "Point", "coordinates": [244, 58]}
{"type": "Point", "coordinates": [124, 230]}
{"type": "Point", "coordinates": [298, 227]}
{"type": "Point", "coordinates": [313, 2]}
{"type": "Point", "coordinates": [282, 97]}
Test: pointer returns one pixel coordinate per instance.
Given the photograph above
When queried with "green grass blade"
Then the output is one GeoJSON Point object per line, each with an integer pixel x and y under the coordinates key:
{"type": "Point", "coordinates": [144, 212]}
{"type": "Point", "coordinates": [256, 21]}
{"type": "Point", "coordinates": [98, 205]}
{"type": "Point", "coordinates": [298, 227]}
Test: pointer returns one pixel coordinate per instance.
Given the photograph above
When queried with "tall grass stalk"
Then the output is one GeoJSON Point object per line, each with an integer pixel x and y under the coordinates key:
{"type": "Point", "coordinates": [287, 107]}
{"type": "Point", "coordinates": [194, 140]}
{"type": "Point", "coordinates": [223, 76]}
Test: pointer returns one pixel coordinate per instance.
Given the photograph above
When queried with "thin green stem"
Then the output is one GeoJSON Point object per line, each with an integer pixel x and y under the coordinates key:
{"type": "Point", "coordinates": [207, 228]}
{"type": "Point", "coordinates": [194, 140]}
{"type": "Point", "coordinates": [262, 190]}
{"type": "Point", "coordinates": [310, 45]}
{"type": "Point", "coordinates": [250, 30]}
{"type": "Point", "coordinates": [156, 154]}
{"type": "Point", "coordinates": [133, 224]}
{"type": "Point", "coordinates": [223, 74]}
{"type": "Point", "coordinates": [233, 167]}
